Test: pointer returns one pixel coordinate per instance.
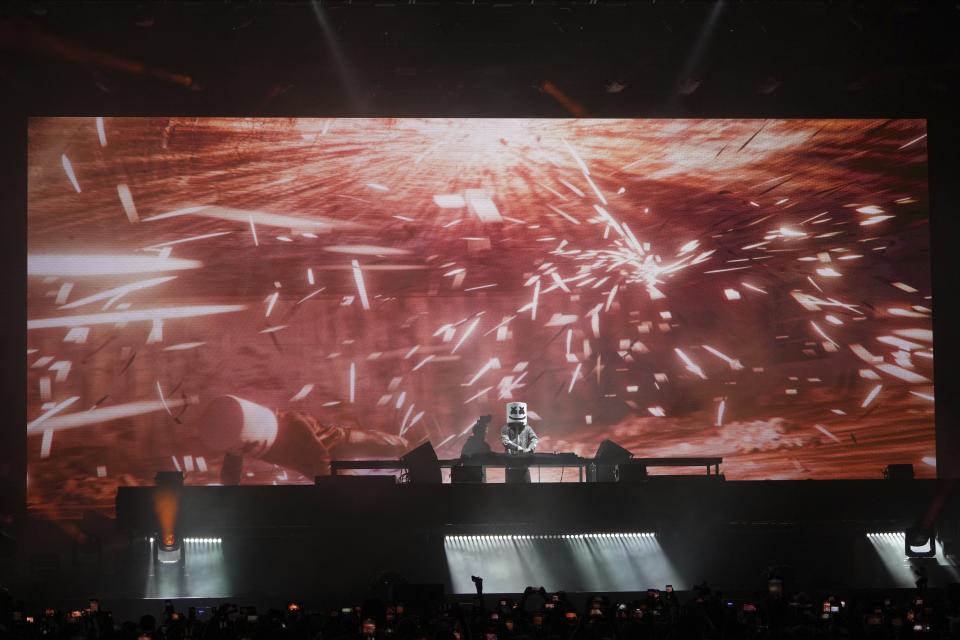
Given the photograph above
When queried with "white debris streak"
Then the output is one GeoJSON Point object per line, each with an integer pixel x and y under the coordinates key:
{"type": "Point", "coordinates": [271, 300]}
{"type": "Point", "coordinates": [118, 292]}
{"type": "Point", "coordinates": [108, 414]}
{"type": "Point", "coordinates": [303, 393]}
{"type": "Point", "coordinates": [361, 287]}
{"type": "Point", "coordinates": [138, 315]}
{"type": "Point", "coordinates": [903, 374]}
{"type": "Point", "coordinates": [822, 334]}
{"type": "Point", "coordinates": [573, 378]}
{"type": "Point", "coordinates": [822, 429]}
{"type": "Point", "coordinates": [353, 382]}
{"type": "Point", "coordinates": [466, 334]}
{"type": "Point", "coordinates": [57, 408]}
{"type": "Point", "coordinates": [253, 230]}
{"type": "Point", "coordinates": [914, 141]}
{"type": "Point", "coordinates": [68, 169]}
{"type": "Point", "coordinates": [101, 132]}
{"type": "Point", "coordinates": [423, 362]}
{"type": "Point", "coordinates": [690, 365]}
{"type": "Point", "coordinates": [871, 396]}
{"type": "Point", "coordinates": [126, 200]}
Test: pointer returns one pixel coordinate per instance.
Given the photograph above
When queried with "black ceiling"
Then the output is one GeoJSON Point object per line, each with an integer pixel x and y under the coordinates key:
{"type": "Point", "coordinates": [481, 58]}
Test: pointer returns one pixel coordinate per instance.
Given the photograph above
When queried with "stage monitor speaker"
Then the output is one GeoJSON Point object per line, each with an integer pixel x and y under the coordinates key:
{"type": "Point", "coordinates": [631, 471]}
{"type": "Point", "coordinates": [898, 472]}
{"type": "Point", "coordinates": [466, 473]}
{"type": "Point", "coordinates": [422, 465]}
{"type": "Point", "coordinates": [168, 479]}
{"type": "Point", "coordinates": [609, 454]}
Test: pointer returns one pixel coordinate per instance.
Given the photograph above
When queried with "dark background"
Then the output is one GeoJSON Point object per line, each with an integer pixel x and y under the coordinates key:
{"type": "Point", "coordinates": [672, 59]}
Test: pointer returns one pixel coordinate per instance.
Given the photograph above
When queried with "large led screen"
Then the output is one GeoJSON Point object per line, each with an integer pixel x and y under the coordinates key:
{"type": "Point", "coordinates": [249, 299]}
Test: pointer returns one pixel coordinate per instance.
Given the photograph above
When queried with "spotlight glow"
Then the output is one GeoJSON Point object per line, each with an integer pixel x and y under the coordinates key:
{"type": "Point", "coordinates": [622, 561]}
{"type": "Point", "coordinates": [889, 546]}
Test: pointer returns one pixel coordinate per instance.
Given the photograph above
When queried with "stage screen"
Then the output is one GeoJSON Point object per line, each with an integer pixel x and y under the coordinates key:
{"type": "Point", "coordinates": [246, 299]}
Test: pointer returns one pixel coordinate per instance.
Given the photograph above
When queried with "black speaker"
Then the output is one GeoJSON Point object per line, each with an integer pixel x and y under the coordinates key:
{"type": "Point", "coordinates": [464, 473]}
{"type": "Point", "coordinates": [422, 465]}
{"type": "Point", "coordinates": [898, 472]}
{"type": "Point", "coordinates": [168, 479]}
{"type": "Point", "coordinates": [609, 454]}
{"type": "Point", "coordinates": [631, 471]}
{"type": "Point", "coordinates": [231, 473]}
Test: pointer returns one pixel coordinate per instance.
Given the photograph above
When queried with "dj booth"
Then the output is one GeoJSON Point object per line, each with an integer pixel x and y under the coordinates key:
{"type": "Point", "coordinates": [420, 464]}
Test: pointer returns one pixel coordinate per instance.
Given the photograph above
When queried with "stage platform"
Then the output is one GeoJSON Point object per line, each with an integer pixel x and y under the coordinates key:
{"type": "Point", "coordinates": [658, 503]}
{"type": "Point", "coordinates": [348, 533]}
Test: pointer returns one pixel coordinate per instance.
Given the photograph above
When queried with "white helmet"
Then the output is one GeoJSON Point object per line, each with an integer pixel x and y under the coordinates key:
{"type": "Point", "coordinates": [517, 412]}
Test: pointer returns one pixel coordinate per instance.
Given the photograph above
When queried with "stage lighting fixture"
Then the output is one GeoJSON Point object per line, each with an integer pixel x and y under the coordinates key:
{"type": "Point", "coordinates": [919, 542]}
{"type": "Point", "coordinates": [560, 536]}
{"type": "Point", "coordinates": [587, 561]}
{"type": "Point", "coordinates": [169, 551]}
{"type": "Point", "coordinates": [166, 503]}
{"type": "Point", "coordinates": [203, 540]}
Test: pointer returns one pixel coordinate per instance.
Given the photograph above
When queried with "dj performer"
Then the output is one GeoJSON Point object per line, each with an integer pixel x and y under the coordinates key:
{"type": "Point", "coordinates": [518, 437]}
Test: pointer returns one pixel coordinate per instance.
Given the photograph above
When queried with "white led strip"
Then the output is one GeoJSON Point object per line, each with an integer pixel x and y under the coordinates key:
{"type": "Point", "coordinates": [216, 540]}
{"type": "Point", "coordinates": [559, 536]}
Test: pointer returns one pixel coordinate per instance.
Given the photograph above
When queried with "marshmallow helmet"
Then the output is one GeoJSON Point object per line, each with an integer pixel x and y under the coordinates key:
{"type": "Point", "coordinates": [517, 412]}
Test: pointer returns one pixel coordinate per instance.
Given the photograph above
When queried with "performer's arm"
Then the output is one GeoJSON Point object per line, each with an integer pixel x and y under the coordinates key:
{"type": "Point", "coordinates": [505, 439]}
{"type": "Point", "coordinates": [533, 440]}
